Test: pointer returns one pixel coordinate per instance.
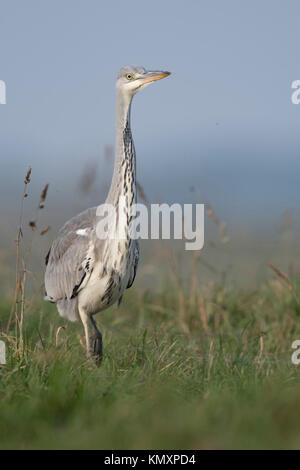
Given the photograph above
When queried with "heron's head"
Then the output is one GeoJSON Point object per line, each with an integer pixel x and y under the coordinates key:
{"type": "Point", "coordinates": [132, 79]}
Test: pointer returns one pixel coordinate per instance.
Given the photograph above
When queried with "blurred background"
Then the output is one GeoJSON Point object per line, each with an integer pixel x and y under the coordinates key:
{"type": "Point", "coordinates": [221, 130]}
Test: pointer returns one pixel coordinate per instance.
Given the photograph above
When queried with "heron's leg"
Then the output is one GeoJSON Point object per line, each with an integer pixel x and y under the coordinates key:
{"type": "Point", "coordinates": [93, 339]}
{"type": "Point", "coordinates": [96, 341]}
{"type": "Point", "coordinates": [85, 321]}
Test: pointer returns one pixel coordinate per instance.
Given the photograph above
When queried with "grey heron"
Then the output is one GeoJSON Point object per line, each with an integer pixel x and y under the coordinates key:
{"type": "Point", "coordinates": [84, 274]}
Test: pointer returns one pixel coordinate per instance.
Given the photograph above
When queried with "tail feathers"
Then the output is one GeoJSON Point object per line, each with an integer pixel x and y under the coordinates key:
{"type": "Point", "coordinates": [67, 308]}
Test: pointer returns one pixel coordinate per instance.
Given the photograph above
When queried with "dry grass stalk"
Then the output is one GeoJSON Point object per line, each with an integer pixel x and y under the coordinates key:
{"type": "Point", "coordinates": [221, 225]}
{"type": "Point", "coordinates": [141, 193]}
{"type": "Point", "coordinates": [261, 347]}
{"type": "Point", "coordinates": [211, 214]}
{"type": "Point", "coordinates": [22, 305]}
{"type": "Point", "coordinates": [45, 230]}
{"type": "Point", "coordinates": [286, 280]}
{"type": "Point", "coordinates": [210, 360]}
{"type": "Point", "coordinates": [27, 178]}
{"type": "Point", "coordinates": [18, 250]}
{"type": "Point", "coordinates": [32, 225]}
{"type": "Point", "coordinates": [180, 291]}
{"type": "Point", "coordinates": [59, 329]}
{"type": "Point", "coordinates": [282, 276]}
{"type": "Point", "coordinates": [194, 279]}
{"type": "Point", "coordinates": [43, 196]}
{"type": "Point", "coordinates": [18, 305]}
{"type": "Point", "coordinates": [203, 313]}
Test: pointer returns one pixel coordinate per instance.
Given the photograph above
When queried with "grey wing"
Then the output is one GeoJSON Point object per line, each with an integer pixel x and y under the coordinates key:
{"type": "Point", "coordinates": [134, 266]}
{"type": "Point", "coordinates": [71, 259]}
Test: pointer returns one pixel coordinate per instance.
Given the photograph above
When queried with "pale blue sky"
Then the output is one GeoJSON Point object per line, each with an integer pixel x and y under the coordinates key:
{"type": "Point", "coordinates": [223, 121]}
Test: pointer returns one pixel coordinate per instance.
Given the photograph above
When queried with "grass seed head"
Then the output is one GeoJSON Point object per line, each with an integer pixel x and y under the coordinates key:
{"type": "Point", "coordinates": [27, 177]}
{"type": "Point", "coordinates": [43, 196]}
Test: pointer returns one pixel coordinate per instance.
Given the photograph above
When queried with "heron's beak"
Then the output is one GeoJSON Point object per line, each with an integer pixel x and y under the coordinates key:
{"type": "Point", "coordinates": [150, 77]}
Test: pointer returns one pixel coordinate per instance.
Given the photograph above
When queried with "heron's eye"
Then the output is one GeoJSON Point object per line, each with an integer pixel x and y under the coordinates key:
{"type": "Point", "coordinates": [129, 76]}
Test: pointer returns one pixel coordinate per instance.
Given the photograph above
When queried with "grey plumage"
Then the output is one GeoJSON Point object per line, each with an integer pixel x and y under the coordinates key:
{"type": "Point", "coordinates": [85, 274]}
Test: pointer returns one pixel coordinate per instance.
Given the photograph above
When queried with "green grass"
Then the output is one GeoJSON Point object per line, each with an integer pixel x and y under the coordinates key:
{"type": "Point", "coordinates": [217, 375]}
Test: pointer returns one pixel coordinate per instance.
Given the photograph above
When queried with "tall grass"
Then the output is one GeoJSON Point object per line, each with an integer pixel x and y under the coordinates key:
{"type": "Point", "coordinates": [227, 383]}
{"type": "Point", "coordinates": [17, 310]}
{"type": "Point", "coordinates": [191, 365]}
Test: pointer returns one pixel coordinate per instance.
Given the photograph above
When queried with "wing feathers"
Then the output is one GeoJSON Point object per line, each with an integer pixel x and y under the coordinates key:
{"type": "Point", "coordinates": [70, 263]}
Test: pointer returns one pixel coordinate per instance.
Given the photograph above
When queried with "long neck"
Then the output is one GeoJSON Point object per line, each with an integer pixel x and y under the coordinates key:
{"type": "Point", "coordinates": [123, 180]}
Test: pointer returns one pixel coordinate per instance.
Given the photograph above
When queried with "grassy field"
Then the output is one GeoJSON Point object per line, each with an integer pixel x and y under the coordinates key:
{"type": "Point", "coordinates": [208, 369]}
